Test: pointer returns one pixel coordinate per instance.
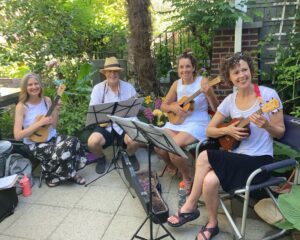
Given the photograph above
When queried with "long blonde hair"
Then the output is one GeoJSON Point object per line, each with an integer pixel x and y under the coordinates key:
{"type": "Point", "coordinates": [23, 97]}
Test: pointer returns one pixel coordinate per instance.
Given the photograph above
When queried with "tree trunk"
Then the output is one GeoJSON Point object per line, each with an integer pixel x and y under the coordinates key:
{"type": "Point", "coordinates": [140, 44]}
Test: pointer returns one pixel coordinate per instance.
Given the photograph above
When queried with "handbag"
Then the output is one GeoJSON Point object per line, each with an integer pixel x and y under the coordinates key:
{"type": "Point", "coordinates": [8, 202]}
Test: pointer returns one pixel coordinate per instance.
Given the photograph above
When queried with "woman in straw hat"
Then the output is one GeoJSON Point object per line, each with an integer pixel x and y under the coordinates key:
{"type": "Point", "coordinates": [215, 168]}
{"type": "Point", "coordinates": [111, 90]}
{"type": "Point", "coordinates": [60, 156]}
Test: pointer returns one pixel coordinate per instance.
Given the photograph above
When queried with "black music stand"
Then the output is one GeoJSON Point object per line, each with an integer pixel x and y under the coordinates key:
{"type": "Point", "coordinates": [98, 114]}
{"type": "Point", "coordinates": [153, 137]}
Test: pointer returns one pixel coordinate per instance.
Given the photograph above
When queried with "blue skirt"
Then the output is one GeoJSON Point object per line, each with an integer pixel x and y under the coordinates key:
{"type": "Point", "coordinates": [233, 169]}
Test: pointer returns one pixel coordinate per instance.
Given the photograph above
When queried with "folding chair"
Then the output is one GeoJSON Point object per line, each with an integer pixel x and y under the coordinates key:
{"type": "Point", "coordinates": [291, 138]}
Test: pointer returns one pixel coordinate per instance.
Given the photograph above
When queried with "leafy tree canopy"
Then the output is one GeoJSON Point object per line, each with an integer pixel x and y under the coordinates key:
{"type": "Point", "coordinates": [36, 31]}
{"type": "Point", "coordinates": [204, 14]}
{"type": "Point", "coordinates": [202, 17]}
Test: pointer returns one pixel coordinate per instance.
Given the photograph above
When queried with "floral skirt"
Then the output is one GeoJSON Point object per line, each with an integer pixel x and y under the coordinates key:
{"type": "Point", "coordinates": [60, 158]}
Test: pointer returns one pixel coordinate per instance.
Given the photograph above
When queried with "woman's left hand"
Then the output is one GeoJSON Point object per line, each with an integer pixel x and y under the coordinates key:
{"type": "Point", "coordinates": [58, 105]}
{"type": "Point", "coordinates": [259, 120]}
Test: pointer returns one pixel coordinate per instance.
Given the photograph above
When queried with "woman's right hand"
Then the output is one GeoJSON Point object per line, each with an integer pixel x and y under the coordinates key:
{"type": "Point", "coordinates": [44, 121]}
{"type": "Point", "coordinates": [178, 110]}
{"type": "Point", "coordinates": [237, 133]}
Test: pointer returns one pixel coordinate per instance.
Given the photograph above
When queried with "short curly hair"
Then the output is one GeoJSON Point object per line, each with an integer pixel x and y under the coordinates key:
{"type": "Point", "coordinates": [232, 61]}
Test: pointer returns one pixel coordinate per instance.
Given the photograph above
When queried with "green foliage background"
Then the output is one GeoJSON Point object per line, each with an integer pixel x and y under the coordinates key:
{"type": "Point", "coordinates": [68, 32]}
{"type": "Point", "coordinates": [37, 31]}
{"type": "Point", "coordinates": [73, 32]}
{"type": "Point", "coordinates": [286, 76]}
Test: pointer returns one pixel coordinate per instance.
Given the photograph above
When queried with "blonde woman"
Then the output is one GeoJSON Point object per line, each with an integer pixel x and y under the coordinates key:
{"type": "Point", "coordinates": [60, 156]}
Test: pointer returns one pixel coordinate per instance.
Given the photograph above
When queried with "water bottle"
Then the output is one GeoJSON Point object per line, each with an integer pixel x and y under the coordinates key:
{"type": "Point", "coordinates": [182, 194]}
{"type": "Point", "coordinates": [25, 185]}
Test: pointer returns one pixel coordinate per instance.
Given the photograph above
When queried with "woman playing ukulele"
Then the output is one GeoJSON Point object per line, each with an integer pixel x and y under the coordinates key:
{"type": "Point", "coordinates": [61, 156]}
{"type": "Point", "coordinates": [215, 168]}
{"type": "Point", "coordinates": [195, 122]}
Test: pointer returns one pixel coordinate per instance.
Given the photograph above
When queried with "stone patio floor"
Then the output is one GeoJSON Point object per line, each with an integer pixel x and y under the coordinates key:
{"type": "Point", "coordinates": [105, 210]}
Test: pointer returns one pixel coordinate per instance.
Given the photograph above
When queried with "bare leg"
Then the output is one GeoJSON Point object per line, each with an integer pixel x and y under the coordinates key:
{"type": "Point", "coordinates": [132, 146]}
{"type": "Point", "coordinates": [202, 169]}
{"type": "Point", "coordinates": [95, 143]}
{"type": "Point", "coordinates": [182, 165]}
{"type": "Point", "coordinates": [211, 198]}
{"type": "Point", "coordinates": [166, 158]}
{"type": "Point", "coordinates": [182, 139]}
{"type": "Point", "coordinates": [165, 155]}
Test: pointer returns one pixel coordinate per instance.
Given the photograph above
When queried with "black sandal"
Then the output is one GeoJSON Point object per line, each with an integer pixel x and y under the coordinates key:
{"type": "Point", "coordinates": [183, 218]}
{"type": "Point", "coordinates": [213, 232]}
{"type": "Point", "coordinates": [77, 179]}
{"type": "Point", "coordinates": [52, 182]}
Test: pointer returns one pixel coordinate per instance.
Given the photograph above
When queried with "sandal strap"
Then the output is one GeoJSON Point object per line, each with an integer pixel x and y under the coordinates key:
{"type": "Point", "coordinates": [213, 231]}
{"type": "Point", "coordinates": [53, 182]}
{"type": "Point", "coordinates": [79, 179]}
{"type": "Point", "coordinates": [203, 235]}
{"type": "Point", "coordinates": [184, 215]}
{"type": "Point", "coordinates": [210, 230]}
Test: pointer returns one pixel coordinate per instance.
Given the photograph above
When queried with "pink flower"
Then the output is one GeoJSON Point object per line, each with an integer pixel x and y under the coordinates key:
{"type": "Point", "coordinates": [157, 103]}
{"type": "Point", "coordinates": [148, 114]}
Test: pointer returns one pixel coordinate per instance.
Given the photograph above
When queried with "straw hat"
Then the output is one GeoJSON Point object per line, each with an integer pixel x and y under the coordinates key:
{"type": "Point", "coordinates": [111, 64]}
{"type": "Point", "coordinates": [266, 209]}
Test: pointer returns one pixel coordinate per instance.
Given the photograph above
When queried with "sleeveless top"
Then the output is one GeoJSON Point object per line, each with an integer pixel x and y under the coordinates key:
{"type": "Point", "coordinates": [197, 122]}
{"type": "Point", "coordinates": [30, 117]}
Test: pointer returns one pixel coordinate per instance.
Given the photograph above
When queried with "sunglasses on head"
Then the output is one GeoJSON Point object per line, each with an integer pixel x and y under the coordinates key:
{"type": "Point", "coordinates": [237, 55]}
{"type": "Point", "coordinates": [235, 58]}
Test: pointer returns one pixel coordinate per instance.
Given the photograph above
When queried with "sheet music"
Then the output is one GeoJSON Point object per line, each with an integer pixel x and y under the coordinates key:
{"type": "Point", "coordinates": [98, 113]}
{"type": "Point", "coordinates": [129, 108]}
{"type": "Point", "coordinates": [142, 132]}
{"type": "Point", "coordinates": [129, 128]}
{"type": "Point", "coordinates": [160, 138]}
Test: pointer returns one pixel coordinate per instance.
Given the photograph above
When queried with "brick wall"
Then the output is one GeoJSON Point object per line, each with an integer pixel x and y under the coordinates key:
{"type": "Point", "coordinates": [223, 45]}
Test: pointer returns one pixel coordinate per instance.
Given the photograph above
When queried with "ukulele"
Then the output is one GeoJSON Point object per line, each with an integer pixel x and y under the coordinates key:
{"type": "Point", "coordinates": [230, 143]}
{"type": "Point", "coordinates": [41, 135]}
{"type": "Point", "coordinates": [187, 103]}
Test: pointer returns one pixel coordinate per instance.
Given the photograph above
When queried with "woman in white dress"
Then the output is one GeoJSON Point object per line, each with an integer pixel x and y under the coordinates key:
{"type": "Point", "coordinates": [193, 128]}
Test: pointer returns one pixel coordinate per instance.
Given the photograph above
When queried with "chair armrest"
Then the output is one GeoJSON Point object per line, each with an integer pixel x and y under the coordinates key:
{"type": "Point", "coordinates": [209, 143]}
{"type": "Point", "coordinates": [279, 164]}
{"type": "Point", "coordinates": [269, 168]}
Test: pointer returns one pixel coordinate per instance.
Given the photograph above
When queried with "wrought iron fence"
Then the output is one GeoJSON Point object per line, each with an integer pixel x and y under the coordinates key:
{"type": "Point", "coordinates": [107, 45]}
{"type": "Point", "coordinates": [166, 49]}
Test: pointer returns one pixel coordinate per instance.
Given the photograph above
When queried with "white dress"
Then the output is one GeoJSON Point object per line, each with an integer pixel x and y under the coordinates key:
{"type": "Point", "coordinates": [197, 122]}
